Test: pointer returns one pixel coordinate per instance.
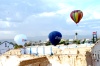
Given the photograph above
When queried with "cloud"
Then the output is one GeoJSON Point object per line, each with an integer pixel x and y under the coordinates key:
{"type": "Point", "coordinates": [7, 27]}
{"type": "Point", "coordinates": [69, 21]}
{"type": "Point", "coordinates": [95, 27]}
{"type": "Point", "coordinates": [39, 17]}
{"type": "Point", "coordinates": [81, 26]}
{"type": "Point", "coordinates": [4, 24]}
{"type": "Point", "coordinates": [41, 24]}
{"type": "Point", "coordinates": [47, 14]}
{"type": "Point", "coordinates": [82, 32]}
{"type": "Point", "coordinates": [91, 12]}
{"type": "Point", "coordinates": [6, 34]}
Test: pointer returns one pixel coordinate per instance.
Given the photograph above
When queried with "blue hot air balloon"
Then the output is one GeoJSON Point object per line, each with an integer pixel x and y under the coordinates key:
{"type": "Point", "coordinates": [20, 39]}
{"type": "Point", "coordinates": [55, 37]}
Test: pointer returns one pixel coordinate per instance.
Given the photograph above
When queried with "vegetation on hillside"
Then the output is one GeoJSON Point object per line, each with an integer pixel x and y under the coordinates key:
{"type": "Point", "coordinates": [17, 46]}
{"type": "Point", "coordinates": [65, 42]}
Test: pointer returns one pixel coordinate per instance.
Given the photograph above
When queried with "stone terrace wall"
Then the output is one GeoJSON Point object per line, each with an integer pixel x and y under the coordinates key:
{"type": "Point", "coordinates": [43, 61]}
{"type": "Point", "coordinates": [71, 60]}
{"type": "Point", "coordinates": [73, 57]}
{"type": "Point", "coordinates": [13, 52]}
{"type": "Point", "coordinates": [66, 57]}
{"type": "Point", "coordinates": [23, 60]}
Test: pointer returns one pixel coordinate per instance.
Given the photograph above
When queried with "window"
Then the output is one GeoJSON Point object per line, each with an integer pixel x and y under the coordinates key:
{"type": "Point", "coordinates": [92, 56]}
{"type": "Point", "coordinates": [5, 44]}
{"type": "Point", "coordinates": [98, 56]}
{"type": "Point", "coordinates": [95, 56]}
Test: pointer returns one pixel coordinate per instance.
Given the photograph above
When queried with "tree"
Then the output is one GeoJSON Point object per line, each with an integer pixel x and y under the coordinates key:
{"type": "Point", "coordinates": [62, 42]}
{"type": "Point", "coordinates": [66, 42]}
{"type": "Point", "coordinates": [48, 43]}
{"type": "Point", "coordinates": [40, 41]}
{"type": "Point", "coordinates": [76, 41]}
{"type": "Point", "coordinates": [17, 46]}
{"type": "Point", "coordinates": [20, 46]}
{"type": "Point", "coordinates": [27, 44]}
{"type": "Point", "coordinates": [11, 43]}
{"type": "Point", "coordinates": [76, 33]}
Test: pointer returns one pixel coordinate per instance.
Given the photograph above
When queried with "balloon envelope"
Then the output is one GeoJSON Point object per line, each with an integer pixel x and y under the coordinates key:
{"type": "Point", "coordinates": [20, 39]}
{"type": "Point", "coordinates": [76, 15]}
{"type": "Point", "coordinates": [55, 37]}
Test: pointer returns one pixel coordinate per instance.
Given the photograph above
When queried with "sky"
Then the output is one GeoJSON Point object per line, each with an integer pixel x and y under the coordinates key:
{"type": "Point", "coordinates": [40, 17]}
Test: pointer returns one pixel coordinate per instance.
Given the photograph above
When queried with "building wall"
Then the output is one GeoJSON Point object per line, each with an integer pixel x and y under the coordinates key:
{"type": "Point", "coordinates": [96, 54]}
{"type": "Point", "coordinates": [5, 47]}
{"type": "Point", "coordinates": [48, 50]}
{"type": "Point", "coordinates": [68, 56]}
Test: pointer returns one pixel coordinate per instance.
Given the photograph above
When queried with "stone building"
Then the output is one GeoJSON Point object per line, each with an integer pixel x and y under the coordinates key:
{"type": "Point", "coordinates": [96, 54]}
{"type": "Point", "coordinates": [5, 46]}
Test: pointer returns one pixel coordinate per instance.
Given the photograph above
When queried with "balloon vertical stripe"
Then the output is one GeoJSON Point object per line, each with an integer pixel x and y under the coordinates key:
{"type": "Point", "coordinates": [72, 16]}
{"type": "Point", "coordinates": [79, 16]}
{"type": "Point", "coordinates": [76, 17]}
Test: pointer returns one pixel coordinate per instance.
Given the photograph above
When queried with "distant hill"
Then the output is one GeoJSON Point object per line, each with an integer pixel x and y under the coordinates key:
{"type": "Point", "coordinates": [43, 38]}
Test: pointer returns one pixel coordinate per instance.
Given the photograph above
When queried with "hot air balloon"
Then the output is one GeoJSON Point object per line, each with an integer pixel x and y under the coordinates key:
{"type": "Point", "coordinates": [76, 15]}
{"type": "Point", "coordinates": [20, 39]}
{"type": "Point", "coordinates": [55, 37]}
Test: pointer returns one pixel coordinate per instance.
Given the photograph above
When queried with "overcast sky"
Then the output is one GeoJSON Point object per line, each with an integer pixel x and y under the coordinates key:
{"type": "Point", "coordinates": [40, 17]}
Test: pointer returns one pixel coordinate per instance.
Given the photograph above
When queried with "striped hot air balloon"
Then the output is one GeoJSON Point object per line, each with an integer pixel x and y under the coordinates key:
{"type": "Point", "coordinates": [76, 15]}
